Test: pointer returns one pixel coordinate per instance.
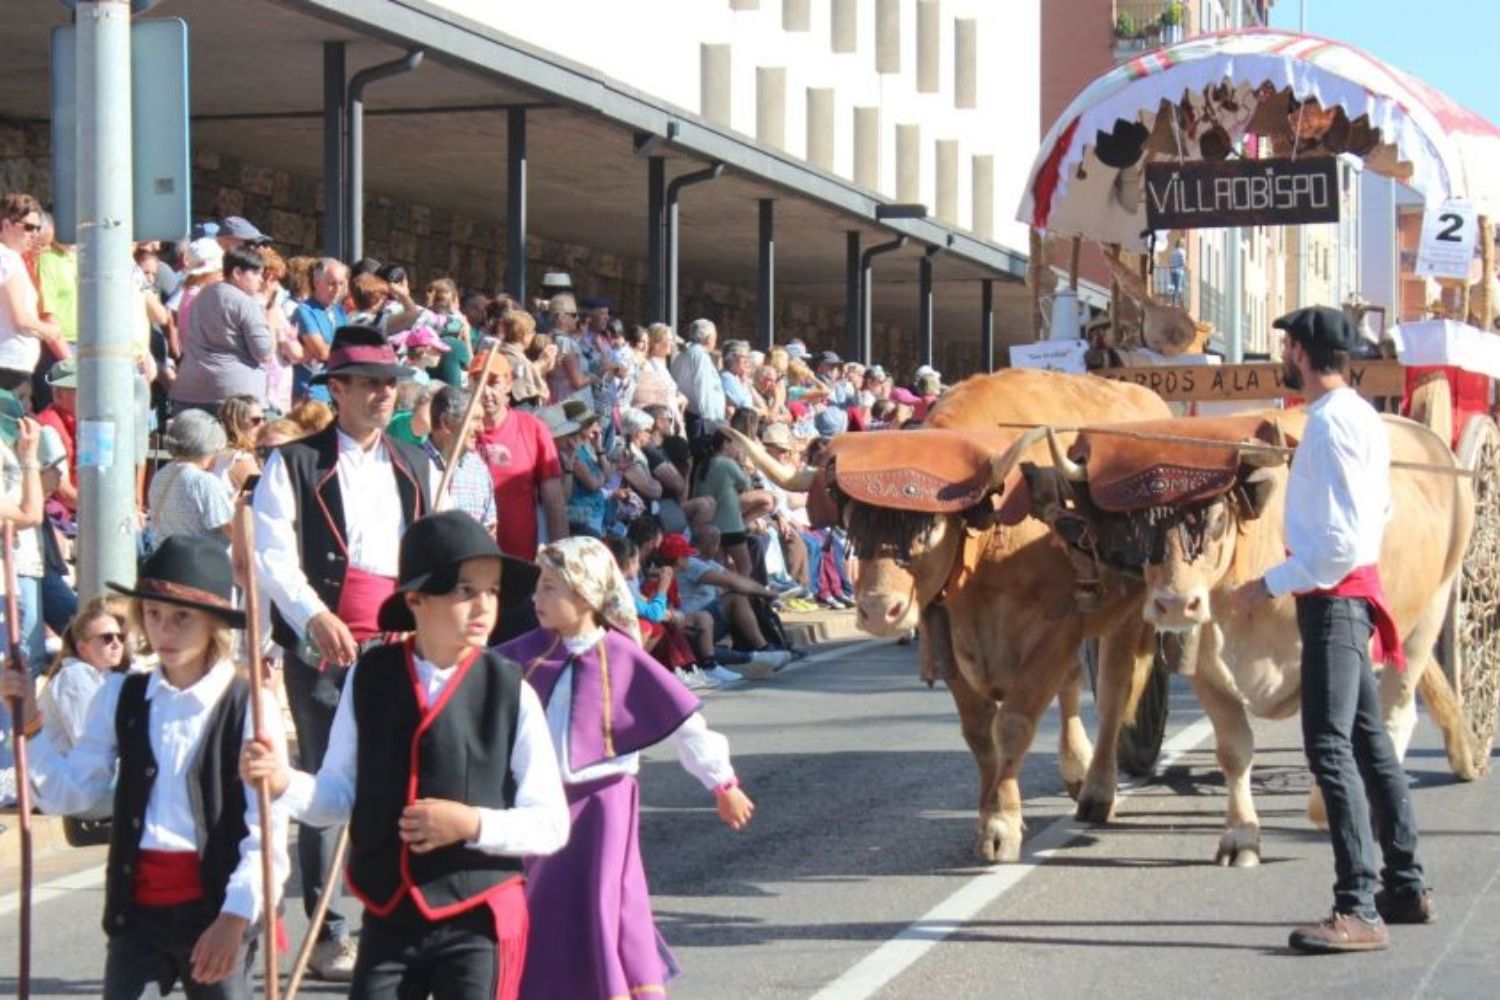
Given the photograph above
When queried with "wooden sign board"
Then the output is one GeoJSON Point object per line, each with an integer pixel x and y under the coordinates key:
{"type": "Point", "coordinates": [1205, 383]}
{"type": "Point", "coordinates": [1207, 194]}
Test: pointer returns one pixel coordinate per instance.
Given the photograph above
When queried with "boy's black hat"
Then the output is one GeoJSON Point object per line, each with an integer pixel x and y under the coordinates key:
{"type": "Point", "coordinates": [431, 545]}
{"type": "Point", "coordinates": [361, 350]}
{"type": "Point", "coordinates": [189, 570]}
{"type": "Point", "coordinates": [1320, 326]}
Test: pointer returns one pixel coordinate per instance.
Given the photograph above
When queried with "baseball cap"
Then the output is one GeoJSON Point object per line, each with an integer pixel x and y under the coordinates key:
{"type": "Point", "coordinates": [239, 228]}
{"type": "Point", "coordinates": [675, 546]}
{"type": "Point", "coordinates": [64, 374]}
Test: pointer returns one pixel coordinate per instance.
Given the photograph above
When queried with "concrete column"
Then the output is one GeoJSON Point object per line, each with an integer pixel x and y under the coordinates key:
{"type": "Point", "coordinates": [844, 26]}
{"type": "Point", "coordinates": [713, 94]}
{"type": "Point", "coordinates": [987, 325]}
{"type": "Point", "coordinates": [929, 46]}
{"type": "Point", "coordinates": [852, 294]}
{"type": "Point", "coordinates": [867, 147]}
{"type": "Point", "coordinates": [887, 36]}
{"type": "Point", "coordinates": [909, 163]}
{"type": "Point", "coordinates": [334, 83]}
{"type": "Point", "coordinates": [983, 197]}
{"type": "Point", "coordinates": [796, 15]}
{"type": "Point", "coordinates": [770, 105]}
{"type": "Point", "coordinates": [966, 63]}
{"type": "Point", "coordinates": [515, 199]}
{"type": "Point", "coordinates": [945, 199]}
{"type": "Point", "coordinates": [656, 225]}
{"type": "Point", "coordinates": [820, 127]}
{"type": "Point", "coordinates": [765, 285]}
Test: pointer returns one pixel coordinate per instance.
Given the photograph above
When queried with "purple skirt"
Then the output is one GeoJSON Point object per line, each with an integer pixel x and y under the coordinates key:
{"type": "Point", "coordinates": [592, 933]}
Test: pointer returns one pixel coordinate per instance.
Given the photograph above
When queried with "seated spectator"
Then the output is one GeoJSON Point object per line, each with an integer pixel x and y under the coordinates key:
{"type": "Point", "coordinates": [581, 455]}
{"type": "Point", "coordinates": [311, 415]}
{"type": "Point", "coordinates": [660, 624]}
{"type": "Point", "coordinates": [882, 415]}
{"type": "Point", "coordinates": [95, 644]}
{"type": "Point", "coordinates": [62, 416]}
{"type": "Point", "coordinates": [706, 587]}
{"type": "Point", "coordinates": [470, 487]}
{"type": "Point", "coordinates": [638, 488]}
{"type": "Point", "coordinates": [412, 420]}
{"type": "Point", "coordinates": [273, 434]}
{"type": "Point", "coordinates": [185, 497]}
{"type": "Point", "coordinates": [720, 474]}
{"type": "Point", "coordinates": [242, 417]}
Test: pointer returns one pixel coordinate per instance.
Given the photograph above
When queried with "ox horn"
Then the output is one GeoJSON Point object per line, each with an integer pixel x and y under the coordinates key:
{"type": "Point", "coordinates": [1072, 471]}
{"type": "Point", "coordinates": [1002, 464]}
{"type": "Point", "coordinates": [783, 475]}
{"type": "Point", "coordinates": [1260, 454]}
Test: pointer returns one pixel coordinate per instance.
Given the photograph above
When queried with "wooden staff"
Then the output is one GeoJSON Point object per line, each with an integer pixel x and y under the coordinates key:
{"type": "Point", "coordinates": [246, 534]}
{"type": "Point", "coordinates": [17, 661]}
{"type": "Point", "coordinates": [335, 869]}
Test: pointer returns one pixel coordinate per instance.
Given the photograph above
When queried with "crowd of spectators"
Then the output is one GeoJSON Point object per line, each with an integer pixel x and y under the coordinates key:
{"type": "Point", "coordinates": [587, 424]}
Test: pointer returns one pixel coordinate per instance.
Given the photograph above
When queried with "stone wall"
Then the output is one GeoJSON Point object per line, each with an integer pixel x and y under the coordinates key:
{"type": "Point", "coordinates": [431, 242]}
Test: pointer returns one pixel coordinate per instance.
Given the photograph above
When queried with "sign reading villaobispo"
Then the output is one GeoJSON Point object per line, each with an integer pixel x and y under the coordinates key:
{"type": "Point", "coordinates": [1209, 194]}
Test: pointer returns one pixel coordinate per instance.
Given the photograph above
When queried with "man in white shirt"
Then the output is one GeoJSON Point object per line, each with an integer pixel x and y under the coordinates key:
{"type": "Point", "coordinates": [330, 510]}
{"type": "Point", "coordinates": [1337, 504]}
{"type": "Point", "coordinates": [697, 378]}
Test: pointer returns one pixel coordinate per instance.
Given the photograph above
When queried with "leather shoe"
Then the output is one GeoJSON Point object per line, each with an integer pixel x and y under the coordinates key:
{"type": "Point", "coordinates": [1340, 932]}
{"type": "Point", "coordinates": [1406, 907]}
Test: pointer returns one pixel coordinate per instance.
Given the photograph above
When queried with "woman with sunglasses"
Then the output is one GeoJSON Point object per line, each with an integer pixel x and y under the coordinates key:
{"type": "Point", "coordinates": [22, 328]}
{"type": "Point", "coordinates": [95, 644]}
{"type": "Point", "coordinates": [243, 416]}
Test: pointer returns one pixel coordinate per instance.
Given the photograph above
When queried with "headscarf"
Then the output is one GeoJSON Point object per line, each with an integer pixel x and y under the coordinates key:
{"type": "Point", "coordinates": [590, 571]}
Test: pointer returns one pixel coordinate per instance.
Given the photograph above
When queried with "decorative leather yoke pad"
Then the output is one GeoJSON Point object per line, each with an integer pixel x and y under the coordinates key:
{"type": "Point", "coordinates": [1128, 473]}
{"type": "Point", "coordinates": [934, 471]}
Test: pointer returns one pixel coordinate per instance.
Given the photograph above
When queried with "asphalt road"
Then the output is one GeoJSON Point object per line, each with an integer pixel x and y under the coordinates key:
{"type": "Point", "coordinates": [855, 880]}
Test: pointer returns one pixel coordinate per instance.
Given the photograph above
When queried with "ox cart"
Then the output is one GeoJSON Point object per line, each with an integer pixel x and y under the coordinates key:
{"type": "Point", "coordinates": [1178, 139]}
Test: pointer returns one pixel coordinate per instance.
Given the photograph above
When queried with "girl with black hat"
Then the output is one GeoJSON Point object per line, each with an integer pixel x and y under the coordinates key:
{"type": "Point", "coordinates": [441, 764]}
{"type": "Point", "coordinates": [182, 891]}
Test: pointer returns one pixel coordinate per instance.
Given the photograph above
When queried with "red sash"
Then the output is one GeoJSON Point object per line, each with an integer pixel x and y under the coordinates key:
{"type": "Point", "coordinates": [360, 599]}
{"type": "Point", "coordinates": [1364, 582]}
{"type": "Point", "coordinates": [507, 905]}
{"type": "Point", "coordinates": [166, 878]}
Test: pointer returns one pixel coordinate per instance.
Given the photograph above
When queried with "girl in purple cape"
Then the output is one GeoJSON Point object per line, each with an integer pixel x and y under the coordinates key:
{"type": "Point", "coordinates": [592, 932]}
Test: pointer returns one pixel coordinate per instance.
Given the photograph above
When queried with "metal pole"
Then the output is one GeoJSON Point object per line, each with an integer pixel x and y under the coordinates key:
{"type": "Point", "coordinates": [333, 149]}
{"type": "Point", "coordinates": [766, 283]}
{"type": "Point", "coordinates": [674, 192]}
{"type": "Point", "coordinates": [924, 304]}
{"type": "Point", "coordinates": [356, 115]}
{"type": "Point", "coordinates": [515, 197]}
{"type": "Point", "coordinates": [656, 224]}
{"type": "Point", "coordinates": [106, 393]}
{"type": "Point", "coordinates": [852, 300]}
{"type": "Point", "coordinates": [987, 325]}
{"type": "Point", "coordinates": [867, 295]}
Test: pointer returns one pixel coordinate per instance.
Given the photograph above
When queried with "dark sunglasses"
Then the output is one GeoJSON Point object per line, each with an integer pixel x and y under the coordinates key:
{"type": "Point", "coordinates": [32, 227]}
{"type": "Point", "coordinates": [255, 421]}
{"type": "Point", "coordinates": [109, 637]}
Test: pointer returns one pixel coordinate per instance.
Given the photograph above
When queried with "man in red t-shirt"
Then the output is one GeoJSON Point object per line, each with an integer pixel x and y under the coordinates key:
{"type": "Point", "coordinates": [523, 460]}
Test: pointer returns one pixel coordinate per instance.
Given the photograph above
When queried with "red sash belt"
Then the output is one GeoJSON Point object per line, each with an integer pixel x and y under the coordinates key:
{"type": "Point", "coordinates": [1364, 582]}
{"type": "Point", "coordinates": [359, 601]}
{"type": "Point", "coordinates": [512, 926]}
{"type": "Point", "coordinates": [166, 878]}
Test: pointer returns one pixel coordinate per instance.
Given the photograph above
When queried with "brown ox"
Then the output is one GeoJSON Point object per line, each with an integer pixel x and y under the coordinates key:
{"type": "Point", "coordinates": [944, 538]}
{"type": "Point", "coordinates": [1197, 521]}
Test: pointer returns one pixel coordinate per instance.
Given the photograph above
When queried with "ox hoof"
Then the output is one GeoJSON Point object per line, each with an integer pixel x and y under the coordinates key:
{"type": "Point", "coordinates": [1095, 811]}
{"type": "Point", "coordinates": [997, 844]}
{"type": "Point", "coordinates": [1243, 857]}
{"type": "Point", "coordinates": [1075, 789]}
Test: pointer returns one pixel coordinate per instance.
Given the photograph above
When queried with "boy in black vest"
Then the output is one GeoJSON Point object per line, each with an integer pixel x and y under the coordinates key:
{"type": "Point", "coordinates": [441, 763]}
{"type": "Point", "coordinates": [182, 894]}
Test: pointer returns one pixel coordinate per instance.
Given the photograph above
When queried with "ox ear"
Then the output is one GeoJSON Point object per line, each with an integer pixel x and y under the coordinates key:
{"type": "Point", "coordinates": [1255, 490]}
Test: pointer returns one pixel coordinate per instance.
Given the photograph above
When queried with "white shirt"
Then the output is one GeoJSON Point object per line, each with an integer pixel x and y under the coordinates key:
{"type": "Point", "coordinates": [18, 351]}
{"type": "Point", "coordinates": [1338, 496]}
{"type": "Point", "coordinates": [537, 821]}
{"type": "Point", "coordinates": [64, 702]}
{"type": "Point", "coordinates": [704, 753]}
{"type": "Point", "coordinates": [74, 782]}
{"type": "Point", "coordinates": [373, 525]}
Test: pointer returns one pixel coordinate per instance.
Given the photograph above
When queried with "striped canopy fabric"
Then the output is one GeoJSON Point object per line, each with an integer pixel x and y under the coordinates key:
{"type": "Point", "coordinates": [1216, 84]}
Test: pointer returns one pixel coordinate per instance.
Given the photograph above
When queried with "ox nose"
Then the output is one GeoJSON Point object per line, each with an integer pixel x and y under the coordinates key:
{"type": "Point", "coordinates": [1179, 609]}
{"type": "Point", "coordinates": [880, 610]}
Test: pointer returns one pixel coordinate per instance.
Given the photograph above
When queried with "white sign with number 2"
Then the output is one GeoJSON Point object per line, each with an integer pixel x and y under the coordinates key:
{"type": "Point", "coordinates": [1448, 238]}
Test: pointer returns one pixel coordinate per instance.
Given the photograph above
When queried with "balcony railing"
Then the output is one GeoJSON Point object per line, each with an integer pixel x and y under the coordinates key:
{"type": "Point", "coordinates": [1141, 25]}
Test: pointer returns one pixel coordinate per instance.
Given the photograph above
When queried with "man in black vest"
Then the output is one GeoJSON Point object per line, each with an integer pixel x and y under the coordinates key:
{"type": "Point", "coordinates": [330, 510]}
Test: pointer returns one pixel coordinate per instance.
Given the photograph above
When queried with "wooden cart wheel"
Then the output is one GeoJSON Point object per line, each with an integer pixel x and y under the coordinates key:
{"type": "Point", "coordinates": [1469, 647]}
{"type": "Point", "coordinates": [1139, 745]}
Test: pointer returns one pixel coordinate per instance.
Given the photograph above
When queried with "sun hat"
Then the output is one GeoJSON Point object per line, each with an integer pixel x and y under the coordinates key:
{"type": "Point", "coordinates": [361, 350]}
{"type": "Point", "coordinates": [192, 571]}
{"type": "Point", "coordinates": [776, 436]}
{"type": "Point", "coordinates": [204, 256]}
{"type": "Point", "coordinates": [556, 419]}
{"type": "Point", "coordinates": [64, 374]}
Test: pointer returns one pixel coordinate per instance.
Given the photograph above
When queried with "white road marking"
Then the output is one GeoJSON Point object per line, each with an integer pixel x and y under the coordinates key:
{"type": "Point", "coordinates": [88, 878]}
{"type": "Point", "coordinates": [871, 973]}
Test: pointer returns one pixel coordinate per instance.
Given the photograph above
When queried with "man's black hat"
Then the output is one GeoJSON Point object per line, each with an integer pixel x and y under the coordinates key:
{"type": "Point", "coordinates": [361, 350]}
{"type": "Point", "coordinates": [1320, 327]}
{"type": "Point", "coordinates": [189, 570]}
{"type": "Point", "coordinates": [829, 358]}
{"type": "Point", "coordinates": [433, 544]}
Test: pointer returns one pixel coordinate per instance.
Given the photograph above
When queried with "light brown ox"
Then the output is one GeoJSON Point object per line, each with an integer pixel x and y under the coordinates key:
{"type": "Point", "coordinates": [1251, 664]}
{"type": "Point", "coordinates": [999, 611]}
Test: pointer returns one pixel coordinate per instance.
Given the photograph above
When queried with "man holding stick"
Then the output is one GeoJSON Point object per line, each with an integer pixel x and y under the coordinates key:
{"type": "Point", "coordinates": [330, 510]}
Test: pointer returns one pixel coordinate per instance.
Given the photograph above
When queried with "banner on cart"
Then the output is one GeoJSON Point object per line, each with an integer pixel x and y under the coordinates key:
{"type": "Point", "coordinates": [1213, 194]}
{"type": "Point", "coordinates": [1449, 233]}
{"type": "Point", "coordinates": [1201, 383]}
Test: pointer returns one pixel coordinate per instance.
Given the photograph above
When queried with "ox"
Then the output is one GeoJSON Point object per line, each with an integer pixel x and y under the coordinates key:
{"type": "Point", "coordinates": [940, 526]}
{"type": "Point", "coordinates": [1197, 520]}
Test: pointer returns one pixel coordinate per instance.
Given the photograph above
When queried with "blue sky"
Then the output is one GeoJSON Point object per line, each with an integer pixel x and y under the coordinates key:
{"type": "Point", "coordinates": [1447, 43]}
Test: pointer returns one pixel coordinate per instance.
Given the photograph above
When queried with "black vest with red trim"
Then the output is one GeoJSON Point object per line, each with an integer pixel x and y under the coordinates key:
{"type": "Point", "coordinates": [218, 796]}
{"type": "Point", "coordinates": [457, 749]}
{"type": "Point", "coordinates": [312, 467]}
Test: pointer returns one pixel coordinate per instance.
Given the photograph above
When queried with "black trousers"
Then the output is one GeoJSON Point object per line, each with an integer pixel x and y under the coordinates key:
{"type": "Point", "coordinates": [313, 696]}
{"type": "Point", "coordinates": [408, 957]}
{"type": "Point", "coordinates": [1351, 755]}
{"type": "Point", "coordinates": [155, 948]}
